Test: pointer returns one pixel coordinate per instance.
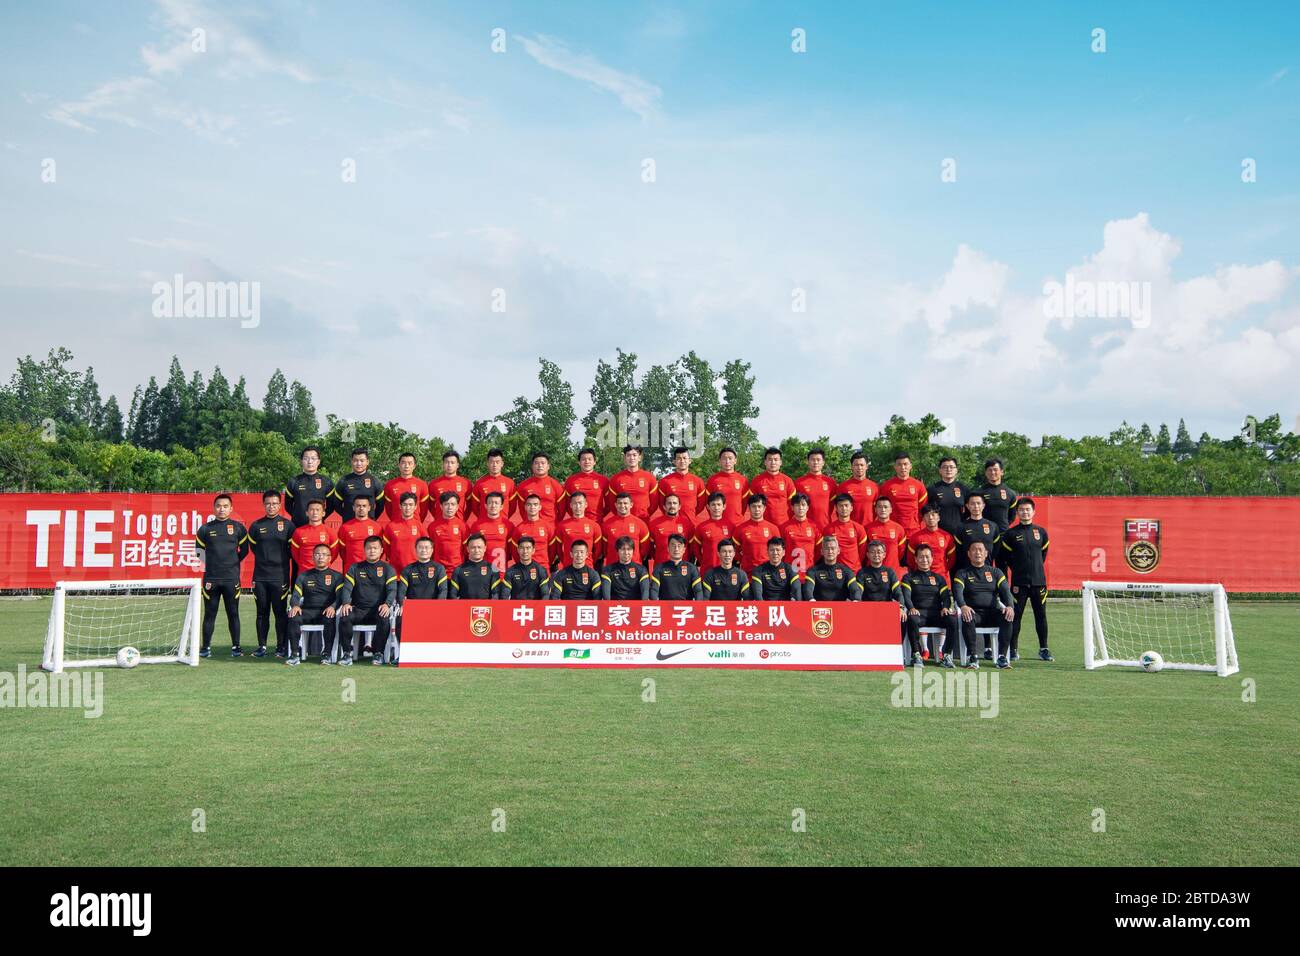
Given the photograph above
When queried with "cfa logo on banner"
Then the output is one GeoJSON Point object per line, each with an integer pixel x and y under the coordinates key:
{"type": "Point", "coordinates": [1142, 544]}
{"type": "Point", "coordinates": [823, 622]}
{"type": "Point", "coordinates": [480, 621]}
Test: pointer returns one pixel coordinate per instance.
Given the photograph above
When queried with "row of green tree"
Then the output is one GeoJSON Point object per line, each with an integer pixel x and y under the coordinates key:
{"type": "Point", "coordinates": [195, 435]}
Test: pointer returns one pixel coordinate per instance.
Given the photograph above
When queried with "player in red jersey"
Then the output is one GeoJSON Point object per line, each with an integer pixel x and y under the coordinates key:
{"type": "Point", "coordinates": [943, 546]}
{"type": "Point", "coordinates": [353, 534]}
{"type": "Point", "coordinates": [496, 481]}
{"type": "Point", "coordinates": [850, 534]}
{"type": "Point", "coordinates": [532, 526]}
{"type": "Point", "coordinates": [753, 534]}
{"type": "Point", "coordinates": [577, 527]}
{"type": "Point", "coordinates": [314, 532]}
{"type": "Point", "coordinates": [733, 486]}
{"type": "Point", "coordinates": [624, 522]}
{"type": "Point", "coordinates": [450, 480]}
{"type": "Point", "coordinates": [777, 487]}
{"type": "Point", "coordinates": [819, 488]}
{"type": "Point", "coordinates": [495, 529]}
{"type": "Point", "coordinates": [716, 527]}
{"type": "Point", "coordinates": [907, 494]}
{"type": "Point", "coordinates": [670, 520]}
{"type": "Point", "coordinates": [401, 533]}
{"type": "Point", "coordinates": [590, 482]}
{"type": "Point", "coordinates": [888, 532]}
{"type": "Point", "coordinates": [860, 488]}
{"type": "Point", "coordinates": [448, 532]}
{"type": "Point", "coordinates": [635, 481]}
{"type": "Point", "coordinates": [801, 535]}
{"type": "Point", "coordinates": [688, 487]}
{"type": "Point", "coordinates": [541, 484]}
{"type": "Point", "coordinates": [404, 482]}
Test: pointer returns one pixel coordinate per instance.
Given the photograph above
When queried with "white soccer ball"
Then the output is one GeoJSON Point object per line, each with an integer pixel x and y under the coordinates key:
{"type": "Point", "coordinates": [1151, 661]}
{"type": "Point", "coordinates": [128, 657]}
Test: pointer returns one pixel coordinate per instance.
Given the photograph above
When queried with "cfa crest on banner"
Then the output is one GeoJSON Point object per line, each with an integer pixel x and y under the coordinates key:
{"type": "Point", "coordinates": [1142, 544]}
{"type": "Point", "coordinates": [480, 621]}
{"type": "Point", "coordinates": [823, 622]}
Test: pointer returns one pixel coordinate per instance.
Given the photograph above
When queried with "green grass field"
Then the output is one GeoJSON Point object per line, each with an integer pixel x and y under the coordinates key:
{"type": "Point", "coordinates": [286, 772]}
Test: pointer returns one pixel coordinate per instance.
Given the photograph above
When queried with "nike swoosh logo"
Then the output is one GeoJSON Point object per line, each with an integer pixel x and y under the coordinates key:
{"type": "Point", "coordinates": [661, 656]}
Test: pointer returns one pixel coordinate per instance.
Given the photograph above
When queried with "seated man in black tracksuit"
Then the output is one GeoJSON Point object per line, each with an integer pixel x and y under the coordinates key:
{"type": "Point", "coordinates": [368, 596]}
{"type": "Point", "coordinates": [830, 579]}
{"type": "Point", "coordinates": [526, 579]}
{"type": "Point", "coordinates": [676, 579]}
{"type": "Point", "coordinates": [625, 579]}
{"type": "Point", "coordinates": [929, 605]}
{"type": "Point", "coordinates": [314, 600]}
{"type": "Point", "coordinates": [578, 581]}
{"type": "Point", "coordinates": [725, 581]}
{"type": "Point", "coordinates": [878, 582]}
{"type": "Point", "coordinates": [983, 599]}
{"type": "Point", "coordinates": [424, 579]}
{"type": "Point", "coordinates": [774, 579]}
{"type": "Point", "coordinates": [475, 579]}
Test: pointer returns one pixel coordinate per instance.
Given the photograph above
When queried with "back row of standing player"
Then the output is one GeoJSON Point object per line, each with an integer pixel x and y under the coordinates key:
{"type": "Point", "coordinates": [901, 511]}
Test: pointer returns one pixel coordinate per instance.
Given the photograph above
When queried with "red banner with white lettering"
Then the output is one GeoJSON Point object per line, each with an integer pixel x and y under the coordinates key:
{"type": "Point", "coordinates": [782, 635]}
{"type": "Point", "coordinates": [45, 539]}
{"type": "Point", "coordinates": [1246, 544]}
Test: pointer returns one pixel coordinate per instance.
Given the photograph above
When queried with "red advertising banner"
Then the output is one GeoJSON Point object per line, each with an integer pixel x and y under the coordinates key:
{"type": "Point", "coordinates": [45, 539]}
{"type": "Point", "coordinates": [780, 635]}
{"type": "Point", "coordinates": [1246, 544]}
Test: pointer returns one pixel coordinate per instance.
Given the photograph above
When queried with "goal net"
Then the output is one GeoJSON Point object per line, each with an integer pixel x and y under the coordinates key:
{"type": "Point", "coordinates": [90, 621]}
{"type": "Point", "coordinates": [1187, 624]}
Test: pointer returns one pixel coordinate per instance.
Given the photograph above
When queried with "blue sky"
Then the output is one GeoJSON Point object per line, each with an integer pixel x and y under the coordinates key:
{"type": "Point", "coordinates": [774, 171]}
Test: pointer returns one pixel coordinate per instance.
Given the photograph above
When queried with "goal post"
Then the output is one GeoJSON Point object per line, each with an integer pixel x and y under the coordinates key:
{"type": "Point", "coordinates": [1187, 624]}
{"type": "Point", "coordinates": [90, 621]}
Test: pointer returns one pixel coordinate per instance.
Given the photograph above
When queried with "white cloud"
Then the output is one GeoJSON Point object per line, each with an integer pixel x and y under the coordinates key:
{"type": "Point", "coordinates": [636, 94]}
{"type": "Point", "coordinates": [106, 102]}
{"type": "Point", "coordinates": [56, 259]}
{"type": "Point", "coordinates": [236, 51]}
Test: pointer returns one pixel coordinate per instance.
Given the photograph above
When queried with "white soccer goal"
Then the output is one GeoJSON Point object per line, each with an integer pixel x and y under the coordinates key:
{"type": "Point", "coordinates": [90, 621]}
{"type": "Point", "coordinates": [1187, 624]}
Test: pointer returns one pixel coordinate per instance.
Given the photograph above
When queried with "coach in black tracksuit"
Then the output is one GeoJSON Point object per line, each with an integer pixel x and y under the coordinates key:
{"type": "Point", "coordinates": [223, 542]}
{"type": "Point", "coordinates": [675, 580]}
{"type": "Point", "coordinates": [526, 579]}
{"type": "Point", "coordinates": [313, 600]}
{"type": "Point", "coordinates": [625, 580]}
{"type": "Point", "coordinates": [268, 539]}
{"type": "Point", "coordinates": [983, 590]}
{"type": "Point", "coordinates": [368, 596]}
{"type": "Point", "coordinates": [774, 579]}
{"type": "Point", "coordinates": [983, 530]}
{"type": "Point", "coordinates": [1023, 548]}
{"type": "Point", "coordinates": [929, 601]}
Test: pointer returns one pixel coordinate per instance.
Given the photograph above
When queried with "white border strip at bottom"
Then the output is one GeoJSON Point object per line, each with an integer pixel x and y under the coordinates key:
{"type": "Point", "coordinates": [651, 655]}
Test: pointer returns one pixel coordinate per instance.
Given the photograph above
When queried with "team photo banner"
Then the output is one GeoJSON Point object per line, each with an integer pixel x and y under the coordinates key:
{"type": "Point", "coordinates": [782, 635]}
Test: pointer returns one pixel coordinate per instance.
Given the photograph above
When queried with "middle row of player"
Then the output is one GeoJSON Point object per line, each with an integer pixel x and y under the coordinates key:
{"type": "Point", "coordinates": [553, 541]}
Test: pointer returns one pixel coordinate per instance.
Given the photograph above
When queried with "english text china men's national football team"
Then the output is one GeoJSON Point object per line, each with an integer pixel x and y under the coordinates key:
{"type": "Point", "coordinates": [949, 555]}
